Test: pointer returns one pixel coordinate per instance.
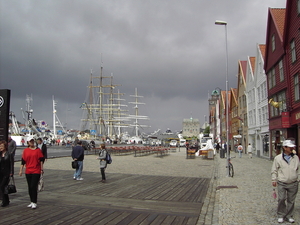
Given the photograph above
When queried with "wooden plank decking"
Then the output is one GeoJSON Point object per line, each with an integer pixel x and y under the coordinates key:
{"type": "Point", "coordinates": [124, 199]}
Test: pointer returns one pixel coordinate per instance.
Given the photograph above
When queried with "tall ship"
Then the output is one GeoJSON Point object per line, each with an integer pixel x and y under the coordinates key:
{"type": "Point", "coordinates": [105, 115]}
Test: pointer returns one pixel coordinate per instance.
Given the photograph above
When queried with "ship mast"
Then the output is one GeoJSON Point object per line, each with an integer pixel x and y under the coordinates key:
{"type": "Point", "coordinates": [55, 118]}
{"type": "Point", "coordinates": [137, 117]}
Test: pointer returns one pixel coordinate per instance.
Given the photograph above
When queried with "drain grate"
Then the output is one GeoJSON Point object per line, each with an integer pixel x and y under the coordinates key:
{"type": "Point", "coordinates": [222, 187]}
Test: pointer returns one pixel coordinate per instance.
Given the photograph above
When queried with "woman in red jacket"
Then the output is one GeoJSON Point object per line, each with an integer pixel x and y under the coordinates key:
{"type": "Point", "coordinates": [33, 158]}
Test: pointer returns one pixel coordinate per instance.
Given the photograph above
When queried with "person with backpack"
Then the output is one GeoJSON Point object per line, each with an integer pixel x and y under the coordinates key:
{"type": "Point", "coordinates": [240, 150]}
{"type": "Point", "coordinates": [103, 161]}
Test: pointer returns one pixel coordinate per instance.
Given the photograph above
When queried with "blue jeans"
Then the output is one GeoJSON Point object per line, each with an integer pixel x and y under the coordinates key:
{"type": "Point", "coordinates": [240, 153]}
{"type": "Point", "coordinates": [78, 171]}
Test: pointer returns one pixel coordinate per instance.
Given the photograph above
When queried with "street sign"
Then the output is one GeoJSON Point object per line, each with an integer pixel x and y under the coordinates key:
{"type": "Point", "coordinates": [4, 113]}
{"type": "Point", "coordinates": [93, 132]}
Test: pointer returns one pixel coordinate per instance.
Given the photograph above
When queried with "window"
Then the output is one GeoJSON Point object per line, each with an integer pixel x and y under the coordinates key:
{"type": "Point", "coordinates": [265, 89]}
{"type": "Point", "coordinates": [296, 87]}
{"type": "Point", "coordinates": [259, 114]}
{"type": "Point", "coordinates": [282, 101]}
{"type": "Point", "coordinates": [293, 51]}
{"type": "Point", "coordinates": [273, 42]}
{"type": "Point", "coordinates": [281, 75]}
{"type": "Point", "coordinates": [244, 101]}
{"type": "Point", "coordinates": [258, 94]}
{"type": "Point", "coordinates": [250, 96]}
{"type": "Point", "coordinates": [245, 120]}
{"type": "Point", "coordinates": [298, 6]}
{"type": "Point", "coordinates": [263, 116]}
{"type": "Point", "coordinates": [267, 115]}
{"type": "Point", "coordinates": [272, 78]}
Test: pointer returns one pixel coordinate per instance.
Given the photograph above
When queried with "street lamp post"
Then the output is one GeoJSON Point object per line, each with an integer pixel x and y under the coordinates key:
{"type": "Point", "coordinates": [223, 23]}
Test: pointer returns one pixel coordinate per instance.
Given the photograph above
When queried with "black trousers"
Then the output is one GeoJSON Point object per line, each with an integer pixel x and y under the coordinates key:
{"type": "Point", "coordinates": [103, 173]}
{"type": "Point", "coordinates": [32, 181]}
{"type": "Point", "coordinates": [3, 183]}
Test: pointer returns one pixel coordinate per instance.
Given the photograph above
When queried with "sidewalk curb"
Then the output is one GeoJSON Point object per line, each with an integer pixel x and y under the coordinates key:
{"type": "Point", "coordinates": [208, 212]}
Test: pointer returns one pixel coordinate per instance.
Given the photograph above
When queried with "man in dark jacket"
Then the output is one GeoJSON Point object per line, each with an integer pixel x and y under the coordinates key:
{"type": "Point", "coordinates": [78, 155]}
{"type": "Point", "coordinates": [43, 148]}
{"type": "Point", "coordinates": [12, 146]}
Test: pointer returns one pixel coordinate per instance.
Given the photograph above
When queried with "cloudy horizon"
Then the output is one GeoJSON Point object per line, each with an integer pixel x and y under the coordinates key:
{"type": "Point", "coordinates": [171, 51]}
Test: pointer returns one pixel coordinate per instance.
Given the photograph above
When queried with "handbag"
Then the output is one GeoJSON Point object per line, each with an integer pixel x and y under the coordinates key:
{"type": "Point", "coordinates": [74, 164]}
{"type": "Point", "coordinates": [11, 187]}
{"type": "Point", "coordinates": [41, 183]}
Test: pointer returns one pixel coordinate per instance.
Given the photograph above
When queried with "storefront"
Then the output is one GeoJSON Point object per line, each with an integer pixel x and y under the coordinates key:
{"type": "Point", "coordinates": [282, 128]}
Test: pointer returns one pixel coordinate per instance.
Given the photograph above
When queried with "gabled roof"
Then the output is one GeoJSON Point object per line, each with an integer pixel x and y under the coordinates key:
{"type": "Point", "coordinates": [234, 93]}
{"type": "Point", "coordinates": [223, 96]}
{"type": "Point", "coordinates": [252, 63]}
{"type": "Point", "coordinates": [243, 69]}
{"type": "Point", "coordinates": [262, 49]}
{"type": "Point", "coordinates": [290, 6]}
{"type": "Point", "coordinates": [278, 15]}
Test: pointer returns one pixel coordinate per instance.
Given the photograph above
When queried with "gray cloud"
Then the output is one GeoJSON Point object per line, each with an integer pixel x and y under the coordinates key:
{"type": "Point", "coordinates": [171, 51]}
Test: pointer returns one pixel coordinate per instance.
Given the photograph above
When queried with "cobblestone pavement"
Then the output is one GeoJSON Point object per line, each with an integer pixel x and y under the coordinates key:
{"type": "Point", "coordinates": [252, 201]}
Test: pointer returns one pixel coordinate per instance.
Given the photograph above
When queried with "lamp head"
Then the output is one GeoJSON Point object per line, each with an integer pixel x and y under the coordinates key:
{"type": "Point", "coordinates": [220, 22]}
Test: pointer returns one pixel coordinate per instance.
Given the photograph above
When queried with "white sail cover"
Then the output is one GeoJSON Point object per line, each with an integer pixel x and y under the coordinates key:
{"type": "Point", "coordinates": [208, 146]}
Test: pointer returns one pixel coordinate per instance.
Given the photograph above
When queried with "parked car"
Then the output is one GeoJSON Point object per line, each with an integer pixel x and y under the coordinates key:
{"type": "Point", "coordinates": [182, 142]}
{"type": "Point", "coordinates": [173, 143]}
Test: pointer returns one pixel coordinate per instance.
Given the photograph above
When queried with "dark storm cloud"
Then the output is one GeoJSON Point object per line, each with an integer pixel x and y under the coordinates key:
{"type": "Point", "coordinates": [170, 50]}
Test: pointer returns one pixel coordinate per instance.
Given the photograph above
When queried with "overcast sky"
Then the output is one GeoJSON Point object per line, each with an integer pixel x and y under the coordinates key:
{"type": "Point", "coordinates": [170, 50]}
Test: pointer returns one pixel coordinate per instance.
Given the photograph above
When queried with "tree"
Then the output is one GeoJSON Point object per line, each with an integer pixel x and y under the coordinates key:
{"type": "Point", "coordinates": [207, 130]}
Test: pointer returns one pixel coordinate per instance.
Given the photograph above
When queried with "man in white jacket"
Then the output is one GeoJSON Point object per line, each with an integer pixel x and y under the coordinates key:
{"type": "Point", "coordinates": [285, 175]}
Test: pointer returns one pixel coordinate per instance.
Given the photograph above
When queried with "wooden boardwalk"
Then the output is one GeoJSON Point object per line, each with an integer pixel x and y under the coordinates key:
{"type": "Point", "coordinates": [124, 199]}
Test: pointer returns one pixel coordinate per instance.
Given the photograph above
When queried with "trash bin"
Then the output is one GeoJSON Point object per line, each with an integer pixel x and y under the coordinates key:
{"type": "Point", "coordinates": [222, 153]}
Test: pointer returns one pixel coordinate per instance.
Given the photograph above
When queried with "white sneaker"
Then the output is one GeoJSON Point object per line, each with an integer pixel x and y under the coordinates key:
{"type": "Point", "coordinates": [30, 205]}
{"type": "Point", "coordinates": [291, 220]}
{"type": "Point", "coordinates": [74, 178]}
{"type": "Point", "coordinates": [280, 220]}
{"type": "Point", "coordinates": [34, 205]}
{"type": "Point", "coordinates": [79, 178]}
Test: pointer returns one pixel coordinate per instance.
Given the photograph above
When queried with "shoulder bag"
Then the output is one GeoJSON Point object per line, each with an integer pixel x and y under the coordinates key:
{"type": "Point", "coordinates": [11, 187]}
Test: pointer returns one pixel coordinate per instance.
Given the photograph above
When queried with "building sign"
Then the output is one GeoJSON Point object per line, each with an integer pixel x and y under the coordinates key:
{"type": "Point", "coordinates": [4, 113]}
{"type": "Point", "coordinates": [93, 132]}
{"type": "Point", "coordinates": [285, 120]}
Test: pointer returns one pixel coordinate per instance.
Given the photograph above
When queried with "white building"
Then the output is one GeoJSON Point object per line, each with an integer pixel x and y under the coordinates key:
{"type": "Point", "coordinates": [190, 127]}
{"type": "Point", "coordinates": [256, 90]}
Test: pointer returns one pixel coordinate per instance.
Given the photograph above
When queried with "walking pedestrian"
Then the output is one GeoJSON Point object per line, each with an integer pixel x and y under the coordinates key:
{"type": "Point", "coordinates": [43, 147]}
{"type": "Point", "coordinates": [240, 150]}
{"type": "Point", "coordinates": [286, 175]}
{"type": "Point", "coordinates": [32, 159]}
{"type": "Point", "coordinates": [249, 150]}
{"type": "Point", "coordinates": [23, 142]}
{"type": "Point", "coordinates": [218, 147]}
{"type": "Point", "coordinates": [78, 155]}
{"type": "Point", "coordinates": [12, 146]}
{"type": "Point", "coordinates": [6, 172]}
{"type": "Point", "coordinates": [103, 163]}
